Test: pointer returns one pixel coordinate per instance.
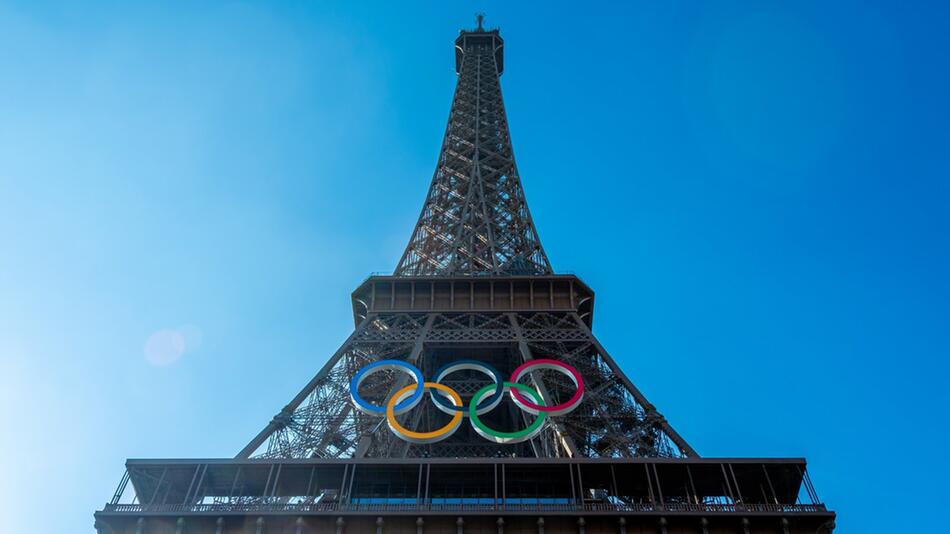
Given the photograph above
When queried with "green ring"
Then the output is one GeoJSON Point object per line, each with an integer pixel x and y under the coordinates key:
{"type": "Point", "coordinates": [508, 437]}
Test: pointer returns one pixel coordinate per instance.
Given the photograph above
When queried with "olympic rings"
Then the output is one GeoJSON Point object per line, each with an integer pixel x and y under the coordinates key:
{"type": "Point", "coordinates": [557, 409]}
{"type": "Point", "coordinates": [449, 401]}
{"type": "Point", "coordinates": [506, 438]}
{"type": "Point", "coordinates": [424, 437]}
{"type": "Point", "coordinates": [467, 365]}
{"type": "Point", "coordinates": [382, 365]}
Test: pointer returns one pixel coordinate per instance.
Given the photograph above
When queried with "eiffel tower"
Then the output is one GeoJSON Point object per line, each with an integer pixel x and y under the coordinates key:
{"type": "Point", "coordinates": [566, 443]}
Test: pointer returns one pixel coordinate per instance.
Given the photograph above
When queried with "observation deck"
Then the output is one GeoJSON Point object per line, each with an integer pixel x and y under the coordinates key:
{"type": "Point", "coordinates": [424, 294]}
{"type": "Point", "coordinates": [413, 495]}
{"type": "Point", "coordinates": [480, 41]}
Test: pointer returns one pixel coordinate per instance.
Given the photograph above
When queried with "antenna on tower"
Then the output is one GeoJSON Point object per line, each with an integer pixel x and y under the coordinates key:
{"type": "Point", "coordinates": [479, 18]}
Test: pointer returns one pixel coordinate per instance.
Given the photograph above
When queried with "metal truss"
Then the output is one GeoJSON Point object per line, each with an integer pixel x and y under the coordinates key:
{"type": "Point", "coordinates": [474, 223]}
{"type": "Point", "coordinates": [615, 419]}
{"type": "Point", "coordinates": [474, 283]}
{"type": "Point", "coordinates": [475, 219]}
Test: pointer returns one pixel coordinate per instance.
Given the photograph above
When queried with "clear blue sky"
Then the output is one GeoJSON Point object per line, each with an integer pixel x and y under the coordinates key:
{"type": "Point", "coordinates": [757, 192]}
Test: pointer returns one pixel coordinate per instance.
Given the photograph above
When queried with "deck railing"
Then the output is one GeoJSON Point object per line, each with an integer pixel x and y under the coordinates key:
{"type": "Point", "coordinates": [331, 508]}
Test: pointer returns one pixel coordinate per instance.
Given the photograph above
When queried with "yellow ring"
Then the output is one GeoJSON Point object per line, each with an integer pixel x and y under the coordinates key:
{"type": "Point", "coordinates": [423, 437]}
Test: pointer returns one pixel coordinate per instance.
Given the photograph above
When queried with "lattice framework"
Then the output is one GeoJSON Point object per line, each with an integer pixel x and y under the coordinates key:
{"type": "Point", "coordinates": [615, 420]}
{"type": "Point", "coordinates": [475, 219]}
{"type": "Point", "coordinates": [475, 222]}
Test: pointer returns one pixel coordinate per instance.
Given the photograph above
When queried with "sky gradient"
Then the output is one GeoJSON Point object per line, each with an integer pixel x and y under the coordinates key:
{"type": "Point", "coordinates": [757, 192]}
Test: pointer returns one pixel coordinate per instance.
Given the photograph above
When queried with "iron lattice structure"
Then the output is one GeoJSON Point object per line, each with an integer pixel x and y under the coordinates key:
{"type": "Point", "coordinates": [473, 284]}
{"type": "Point", "coordinates": [475, 220]}
{"type": "Point", "coordinates": [474, 237]}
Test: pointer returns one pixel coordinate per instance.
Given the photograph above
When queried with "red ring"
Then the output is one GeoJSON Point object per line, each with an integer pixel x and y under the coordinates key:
{"type": "Point", "coordinates": [557, 409]}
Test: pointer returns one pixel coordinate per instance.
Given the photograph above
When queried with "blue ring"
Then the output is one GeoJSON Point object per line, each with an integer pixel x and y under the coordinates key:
{"type": "Point", "coordinates": [382, 365]}
{"type": "Point", "coordinates": [488, 404]}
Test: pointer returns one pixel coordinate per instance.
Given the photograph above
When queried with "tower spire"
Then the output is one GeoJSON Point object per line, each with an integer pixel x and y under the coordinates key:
{"type": "Point", "coordinates": [475, 220]}
{"type": "Point", "coordinates": [479, 18]}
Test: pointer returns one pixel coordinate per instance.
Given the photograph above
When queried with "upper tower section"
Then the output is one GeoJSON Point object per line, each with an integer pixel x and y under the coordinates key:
{"type": "Point", "coordinates": [475, 220]}
{"type": "Point", "coordinates": [480, 41]}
